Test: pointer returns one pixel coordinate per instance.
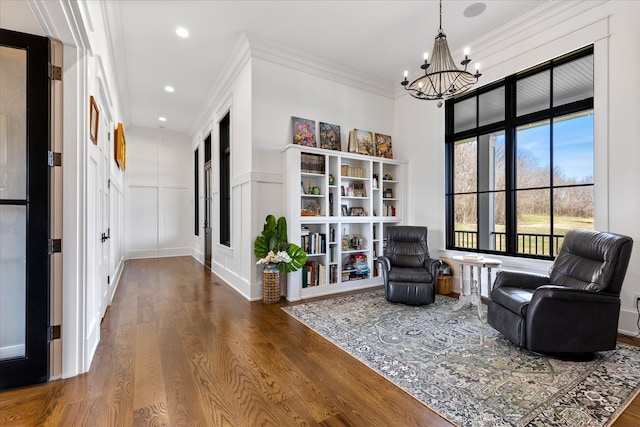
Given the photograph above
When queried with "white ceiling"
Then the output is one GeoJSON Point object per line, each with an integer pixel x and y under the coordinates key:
{"type": "Point", "coordinates": [380, 38]}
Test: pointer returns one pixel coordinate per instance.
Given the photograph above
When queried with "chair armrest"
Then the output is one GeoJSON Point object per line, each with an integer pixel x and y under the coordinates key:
{"type": "Point", "coordinates": [565, 293]}
{"type": "Point", "coordinates": [385, 262]}
{"type": "Point", "coordinates": [517, 279]}
{"type": "Point", "coordinates": [385, 266]}
{"type": "Point", "coordinates": [433, 266]}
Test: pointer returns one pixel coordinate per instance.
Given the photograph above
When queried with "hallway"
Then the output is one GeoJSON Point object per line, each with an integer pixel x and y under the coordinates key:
{"type": "Point", "coordinates": [181, 348]}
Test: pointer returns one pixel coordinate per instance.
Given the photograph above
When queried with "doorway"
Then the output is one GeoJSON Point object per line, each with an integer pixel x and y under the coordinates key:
{"type": "Point", "coordinates": [24, 209]}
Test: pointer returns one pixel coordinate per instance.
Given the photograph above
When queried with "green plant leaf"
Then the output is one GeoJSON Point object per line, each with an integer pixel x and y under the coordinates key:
{"type": "Point", "coordinates": [298, 258]}
{"type": "Point", "coordinates": [260, 249]}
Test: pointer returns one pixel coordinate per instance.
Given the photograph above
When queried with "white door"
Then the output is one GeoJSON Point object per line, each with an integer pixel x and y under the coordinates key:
{"type": "Point", "coordinates": [105, 236]}
{"type": "Point", "coordinates": [98, 295]}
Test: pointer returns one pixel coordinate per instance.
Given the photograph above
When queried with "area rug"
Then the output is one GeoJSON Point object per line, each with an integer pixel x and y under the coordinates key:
{"type": "Point", "coordinates": [463, 369]}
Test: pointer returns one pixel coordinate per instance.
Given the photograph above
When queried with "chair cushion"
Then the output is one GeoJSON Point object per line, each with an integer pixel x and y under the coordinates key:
{"type": "Point", "coordinates": [407, 246]}
{"type": "Point", "coordinates": [410, 293]}
{"type": "Point", "coordinates": [590, 260]}
{"type": "Point", "coordinates": [514, 299]}
{"type": "Point", "coordinates": [403, 274]}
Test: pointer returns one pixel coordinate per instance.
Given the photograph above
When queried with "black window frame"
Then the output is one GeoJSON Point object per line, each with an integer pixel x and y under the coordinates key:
{"type": "Point", "coordinates": [509, 126]}
{"type": "Point", "coordinates": [225, 180]}
{"type": "Point", "coordinates": [196, 192]}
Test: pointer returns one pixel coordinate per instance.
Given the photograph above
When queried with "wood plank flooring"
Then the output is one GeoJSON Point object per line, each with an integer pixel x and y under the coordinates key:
{"type": "Point", "coordinates": [180, 348]}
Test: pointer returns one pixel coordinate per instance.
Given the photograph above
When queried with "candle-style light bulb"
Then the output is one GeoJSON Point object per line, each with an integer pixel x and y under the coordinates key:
{"type": "Point", "coordinates": [406, 74]}
{"type": "Point", "coordinates": [426, 56]}
{"type": "Point", "coordinates": [466, 52]}
{"type": "Point", "coordinates": [478, 73]}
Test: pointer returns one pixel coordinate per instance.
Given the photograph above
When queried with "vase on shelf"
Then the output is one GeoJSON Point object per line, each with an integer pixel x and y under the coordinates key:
{"type": "Point", "coordinates": [270, 284]}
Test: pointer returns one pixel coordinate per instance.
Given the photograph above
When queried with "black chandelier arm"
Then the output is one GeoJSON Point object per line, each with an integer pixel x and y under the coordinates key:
{"type": "Point", "coordinates": [440, 84]}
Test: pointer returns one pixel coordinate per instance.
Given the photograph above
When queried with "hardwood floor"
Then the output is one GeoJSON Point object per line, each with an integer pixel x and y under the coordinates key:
{"type": "Point", "coordinates": [179, 348]}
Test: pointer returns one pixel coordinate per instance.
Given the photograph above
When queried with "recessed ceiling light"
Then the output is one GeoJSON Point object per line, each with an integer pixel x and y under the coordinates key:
{"type": "Point", "coordinates": [182, 32]}
{"type": "Point", "coordinates": [474, 10]}
{"type": "Point", "coordinates": [169, 88]}
{"type": "Point", "coordinates": [162, 119]}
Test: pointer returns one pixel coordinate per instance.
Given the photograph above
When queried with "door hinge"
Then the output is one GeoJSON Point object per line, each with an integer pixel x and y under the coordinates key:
{"type": "Point", "coordinates": [55, 246]}
{"type": "Point", "coordinates": [108, 280]}
{"type": "Point", "coordinates": [55, 73]}
{"type": "Point", "coordinates": [55, 159]}
{"type": "Point", "coordinates": [54, 332]}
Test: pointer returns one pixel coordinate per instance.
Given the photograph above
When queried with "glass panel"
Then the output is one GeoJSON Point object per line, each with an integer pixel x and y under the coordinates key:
{"type": "Point", "coordinates": [532, 93]}
{"type": "Point", "coordinates": [573, 81]}
{"type": "Point", "coordinates": [533, 155]}
{"type": "Point", "coordinates": [466, 221]}
{"type": "Point", "coordinates": [533, 222]}
{"type": "Point", "coordinates": [572, 208]}
{"type": "Point", "coordinates": [491, 161]}
{"type": "Point", "coordinates": [13, 123]}
{"type": "Point", "coordinates": [573, 149]}
{"type": "Point", "coordinates": [491, 107]}
{"type": "Point", "coordinates": [465, 163]}
{"type": "Point", "coordinates": [13, 258]}
{"type": "Point", "coordinates": [464, 114]}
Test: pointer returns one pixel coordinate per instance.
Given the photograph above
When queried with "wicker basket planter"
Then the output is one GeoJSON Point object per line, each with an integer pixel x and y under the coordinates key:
{"type": "Point", "coordinates": [270, 284]}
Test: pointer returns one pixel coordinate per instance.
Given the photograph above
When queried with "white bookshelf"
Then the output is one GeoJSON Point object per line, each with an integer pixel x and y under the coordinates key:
{"type": "Point", "coordinates": [313, 203]}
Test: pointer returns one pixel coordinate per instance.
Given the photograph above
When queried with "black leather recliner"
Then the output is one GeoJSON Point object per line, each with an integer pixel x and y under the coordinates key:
{"type": "Point", "coordinates": [410, 274]}
{"type": "Point", "coordinates": [573, 310]}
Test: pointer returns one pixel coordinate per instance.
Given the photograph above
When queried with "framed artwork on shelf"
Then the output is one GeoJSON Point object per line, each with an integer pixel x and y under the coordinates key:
{"type": "Point", "coordinates": [358, 189]}
{"type": "Point", "coordinates": [345, 210]}
{"type": "Point", "coordinates": [357, 211]}
{"type": "Point", "coordinates": [94, 114]}
{"type": "Point", "coordinates": [383, 146]}
{"type": "Point", "coordinates": [361, 142]}
{"type": "Point", "coordinates": [304, 132]}
{"type": "Point", "coordinates": [330, 137]}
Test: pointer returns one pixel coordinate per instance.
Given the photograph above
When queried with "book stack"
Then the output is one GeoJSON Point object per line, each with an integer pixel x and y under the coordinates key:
{"type": "Point", "coordinates": [312, 163]}
{"type": "Point", "coordinates": [313, 243]}
{"type": "Point", "coordinates": [389, 210]}
{"type": "Point", "coordinates": [333, 273]}
{"type": "Point", "coordinates": [313, 274]}
{"type": "Point", "coordinates": [352, 171]}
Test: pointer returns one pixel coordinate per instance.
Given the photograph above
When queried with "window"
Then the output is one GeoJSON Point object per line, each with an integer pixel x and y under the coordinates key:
{"type": "Point", "coordinates": [519, 160]}
{"type": "Point", "coordinates": [225, 181]}
{"type": "Point", "coordinates": [196, 195]}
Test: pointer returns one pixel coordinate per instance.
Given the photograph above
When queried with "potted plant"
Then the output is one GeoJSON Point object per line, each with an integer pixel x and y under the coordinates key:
{"type": "Point", "coordinates": [272, 248]}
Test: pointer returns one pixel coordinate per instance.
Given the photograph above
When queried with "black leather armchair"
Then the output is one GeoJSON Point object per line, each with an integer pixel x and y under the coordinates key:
{"type": "Point", "coordinates": [410, 274]}
{"type": "Point", "coordinates": [572, 311]}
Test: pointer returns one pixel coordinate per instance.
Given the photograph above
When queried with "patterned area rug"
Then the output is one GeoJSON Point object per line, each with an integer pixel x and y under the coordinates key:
{"type": "Point", "coordinates": [464, 370]}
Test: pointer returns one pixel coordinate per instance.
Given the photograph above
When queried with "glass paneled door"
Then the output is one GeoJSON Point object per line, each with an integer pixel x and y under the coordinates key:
{"type": "Point", "coordinates": [24, 209]}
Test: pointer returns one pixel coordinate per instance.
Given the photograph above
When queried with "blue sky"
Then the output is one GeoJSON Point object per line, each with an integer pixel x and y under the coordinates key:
{"type": "Point", "coordinates": [573, 146]}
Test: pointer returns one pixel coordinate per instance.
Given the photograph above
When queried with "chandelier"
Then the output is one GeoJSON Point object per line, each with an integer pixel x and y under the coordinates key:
{"type": "Point", "coordinates": [442, 79]}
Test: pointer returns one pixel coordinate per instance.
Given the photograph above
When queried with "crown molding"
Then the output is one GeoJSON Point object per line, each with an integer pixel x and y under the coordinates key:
{"type": "Point", "coordinates": [302, 61]}
{"type": "Point", "coordinates": [249, 46]}
{"type": "Point", "coordinates": [49, 15]}
{"type": "Point", "coordinates": [115, 45]}
{"type": "Point", "coordinates": [240, 56]}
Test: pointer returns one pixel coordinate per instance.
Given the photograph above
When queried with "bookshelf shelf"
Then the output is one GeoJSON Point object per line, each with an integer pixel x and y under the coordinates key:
{"type": "Point", "coordinates": [341, 249]}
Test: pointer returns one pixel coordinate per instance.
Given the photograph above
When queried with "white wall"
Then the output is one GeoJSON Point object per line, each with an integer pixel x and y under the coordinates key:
{"type": "Point", "coordinates": [158, 221]}
{"type": "Point", "coordinates": [557, 29]}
